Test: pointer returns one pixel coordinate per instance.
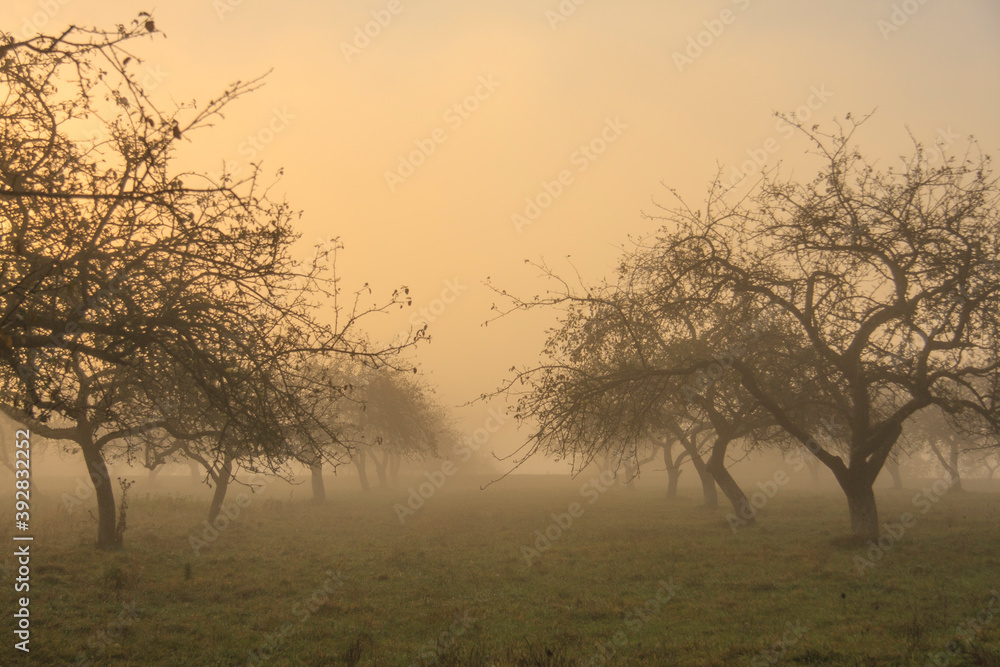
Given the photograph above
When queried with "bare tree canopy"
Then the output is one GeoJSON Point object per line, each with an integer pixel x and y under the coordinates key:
{"type": "Point", "coordinates": [137, 298]}
{"type": "Point", "coordinates": [857, 298]}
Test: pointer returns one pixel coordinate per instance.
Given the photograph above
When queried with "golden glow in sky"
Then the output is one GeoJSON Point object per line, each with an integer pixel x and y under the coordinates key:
{"type": "Point", "coordinates": [446, 141]}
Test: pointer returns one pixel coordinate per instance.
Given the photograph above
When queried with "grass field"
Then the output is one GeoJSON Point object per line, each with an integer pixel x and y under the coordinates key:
{"type": "Point", "coordinates": [634, 580]}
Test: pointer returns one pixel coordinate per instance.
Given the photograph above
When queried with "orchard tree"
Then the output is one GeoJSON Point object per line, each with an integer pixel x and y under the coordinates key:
{"type": "Point", "coordinates": [931, 430]}
{"type": "Point", "coordinates": [400, 420]}
{"type": "Point", "coordinates": [872, 294]}
{"type": "Point", "coordinates": [330, 434]}
{"type": "Point", "coordinates": [885, 280]}
{"type": "Point", "coordinates": [135, 298]}
{"type": "Point", "coordinates": [624, 364]}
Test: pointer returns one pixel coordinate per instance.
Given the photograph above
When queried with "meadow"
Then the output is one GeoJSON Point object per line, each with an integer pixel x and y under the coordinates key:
{"type": "Point", "coordinates": [634, 579]}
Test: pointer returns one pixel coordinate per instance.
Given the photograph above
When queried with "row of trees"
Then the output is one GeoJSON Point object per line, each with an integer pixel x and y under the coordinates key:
{"type": "Point", "coordinates": [148, 309]}
{"type": "Point", "coordinates": [928, 448]}
{"type": "Point", "coordinates": [373, 418]}
{"type": "Point", "coordinates": [822, 315]}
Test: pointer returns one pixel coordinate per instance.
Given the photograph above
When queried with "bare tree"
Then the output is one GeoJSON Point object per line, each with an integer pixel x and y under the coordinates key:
{"type": "Point", "coordinates": [136, 298]}
{"type": "Point", "coordinates": [886, 282]}
{"type": "Point", "coordinates": [874, 295]}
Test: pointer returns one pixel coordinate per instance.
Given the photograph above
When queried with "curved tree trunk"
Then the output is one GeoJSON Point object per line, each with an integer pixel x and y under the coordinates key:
{"type": "Point", "coordinates": [154, 472]}
{"type": "Point", "coordinates": [195, 469]}
{"type": "Point", "coordinates": [893, 469]}
{"type": "Point", "coordinates": [631, 472]}
{"type": "Point", "coordinates": [358, 460]}
{"type": "Point", "coordinates": [394, 462]}
{"type": "Point", "coordinates": [708, 487]}
{"type": "Point", "coordinates": [318, 487]}
{"type": "Point", "coordinates": [717, 466]}
{"type": "Point", "coordinates": [101, 478]}
{"type": "Point", "coordinates": [222, 479]}
{"type": "Point", "coordinates": [950, 464]}
{"type": "Point", "coordinates": [381, 469]}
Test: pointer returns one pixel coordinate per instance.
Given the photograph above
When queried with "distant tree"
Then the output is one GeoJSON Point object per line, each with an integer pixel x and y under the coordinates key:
{"type": "Point", "coordinates": [930, 429]}
{"type": "Point", "coordinates": [334, 435]}
{"type": "Point", "coordinates": [692, 435]}
{"type": "Point", "coordinates": [985, 460]}
{"type": "Point", "coordinates": [400, 420]}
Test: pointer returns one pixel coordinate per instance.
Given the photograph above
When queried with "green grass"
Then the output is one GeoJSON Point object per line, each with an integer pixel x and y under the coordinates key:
{"type": "Point", "coordinates": [454, 574]}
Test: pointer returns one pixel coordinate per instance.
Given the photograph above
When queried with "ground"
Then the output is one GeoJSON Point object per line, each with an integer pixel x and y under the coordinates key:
{"type": "Point", "coordinates": [634, 579]}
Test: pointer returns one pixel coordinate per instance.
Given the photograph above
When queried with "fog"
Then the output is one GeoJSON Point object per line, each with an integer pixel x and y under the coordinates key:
{"type": "Point", "coordinates": [527, 333]}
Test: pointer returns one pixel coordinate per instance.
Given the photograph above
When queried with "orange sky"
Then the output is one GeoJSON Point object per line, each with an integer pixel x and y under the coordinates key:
{"type": "Point", "coordinates": [534, 87]}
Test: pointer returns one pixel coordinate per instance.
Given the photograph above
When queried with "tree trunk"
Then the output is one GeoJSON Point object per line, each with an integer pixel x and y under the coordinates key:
{"type": "Point", "coordinates": [897, 478]}
{"type": "Point", "coordinates": [195, 469]}
{"type": "Point", "coordinates": [359, 462]}
{"type": "Point", "coordinates": [673, 470]}
{"type": "Point", "coordinates": [381, 469]}
{"type": "Point", "coordinates": [950, 464]}
{"type": "Point", "coordinates": [222, 479]}
{"type": "Point", "coordinates": [153, 474]}
{"type": "Point", "coordinates": [717, 466]}
{"type": "Point", "coordinates": [319, 489]}
{"type": "Point", "coordinates": [708, 488]}
{"type": "Point", "coordinates": [864, 512]}
{"type": "Point", "coordinates": [101, 478]}
{"type": "Point", "coordinates": [630, 474]}
{"type": "Point", "coordinates": [956, 476]}
{"type": "Point", "coordinates": [394, 463]}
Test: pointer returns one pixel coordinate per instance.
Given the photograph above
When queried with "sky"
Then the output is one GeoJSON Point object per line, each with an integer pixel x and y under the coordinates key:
{"type": "Point", "coordinates": [444, 142]}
